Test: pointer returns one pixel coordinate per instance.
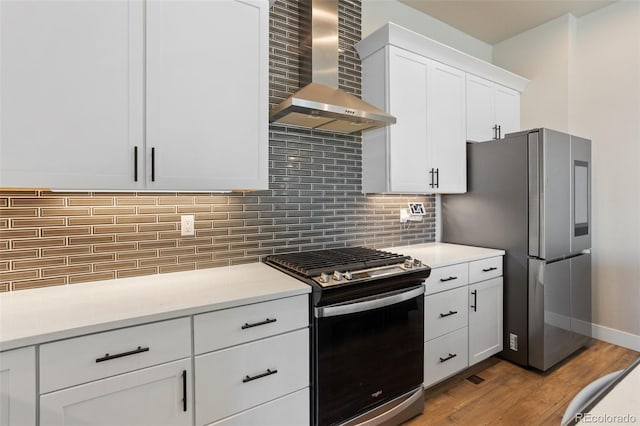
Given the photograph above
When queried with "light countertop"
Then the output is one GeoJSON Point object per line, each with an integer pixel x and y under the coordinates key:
{"type": "Point", "coordinates": [34, 316]}
{"type": "Point", "coordinates": [437, 255]}
{"type": "Point", "coordinates": [621, 404]}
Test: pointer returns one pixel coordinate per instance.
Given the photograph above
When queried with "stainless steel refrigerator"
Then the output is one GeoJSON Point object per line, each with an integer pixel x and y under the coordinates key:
{"type": "Point", "coordinates": [530, 195]}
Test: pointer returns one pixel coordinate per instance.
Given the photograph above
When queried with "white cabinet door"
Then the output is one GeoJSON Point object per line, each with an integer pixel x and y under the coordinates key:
{"type": "Point", "coordinates": [71, 94]}
{"type": "Point", "coordinates": [158, 395]}
{"type": "Point", "coordinates": [446, 139]}
{"type": "Point", "coordinates": [18, 387]}
{"type": "Point", "coordinates": [492, 110]}
{"type": "Point", "coordinates": [507, 109]}
{"type": "Point", "coordinates": [485, 319]}
{"type": "Point", "coordinates": [207, 94]}
{"type": "Point", "coordinates": [407, 145]}
{"type": "Point", "coordinates": [480, 109]}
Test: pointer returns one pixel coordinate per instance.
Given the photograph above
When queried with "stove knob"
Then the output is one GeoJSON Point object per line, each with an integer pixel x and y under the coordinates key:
{"type": "Point", "coordinates": [348, 276]}
{"type": "Point", "coordinates": [337, 276]}
{"type": "Point", "coordinates": [408, 263]}
{"type": "Point", "coordinates": [417, 263]}
{"type": "Point", "coordinates": [324, 277]}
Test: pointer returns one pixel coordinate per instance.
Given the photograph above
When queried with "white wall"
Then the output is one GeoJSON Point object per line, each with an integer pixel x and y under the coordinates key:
{"type": "Point", "coordinates": [585, 76]}
{"type": "Point", "coordinates": [605, 106]}
{"type": "Point", "coordinates": [542, 56]}
{"type": "Point", "coordinates": [376, 13]}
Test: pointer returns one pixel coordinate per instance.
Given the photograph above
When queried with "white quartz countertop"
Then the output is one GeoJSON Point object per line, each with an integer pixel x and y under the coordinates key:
{"type": "Point", "coordinates": [437, 255]}
{"type": "Point", "coordinates": [34, 316]}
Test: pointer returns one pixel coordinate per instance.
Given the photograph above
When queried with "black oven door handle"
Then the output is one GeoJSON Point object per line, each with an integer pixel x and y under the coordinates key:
{"type": "Point", "coordinates": [367, 304]}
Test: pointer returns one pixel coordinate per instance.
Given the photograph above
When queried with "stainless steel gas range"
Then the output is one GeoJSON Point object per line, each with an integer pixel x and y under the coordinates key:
{"type": "Point", "coordinates": [367, 328]}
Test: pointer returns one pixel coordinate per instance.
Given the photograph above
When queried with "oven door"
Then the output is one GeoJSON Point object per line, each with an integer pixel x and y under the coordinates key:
{"type": "Point", "coordinates": [369, 351]}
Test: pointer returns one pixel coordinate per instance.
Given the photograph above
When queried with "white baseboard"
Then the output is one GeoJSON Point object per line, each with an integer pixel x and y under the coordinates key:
{"type": "Point", "coordinates": [617, 337]}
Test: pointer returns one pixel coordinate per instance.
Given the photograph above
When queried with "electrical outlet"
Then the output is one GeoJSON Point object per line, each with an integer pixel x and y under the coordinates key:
{"type": "Point", "coordinates": [187, 225]}
{"type": "Point", "coordinates": [404, 215]}
{"type": "Point", "coordinates": [513, 342]}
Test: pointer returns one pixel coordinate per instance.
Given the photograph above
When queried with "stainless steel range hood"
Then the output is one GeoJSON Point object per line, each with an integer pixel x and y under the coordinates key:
{"type": "Point", "coordinates": [320, 104]}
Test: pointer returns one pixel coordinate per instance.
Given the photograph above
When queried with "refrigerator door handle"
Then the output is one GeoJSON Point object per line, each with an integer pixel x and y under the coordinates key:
{"type": "Point", "coordinates": [534, 193]}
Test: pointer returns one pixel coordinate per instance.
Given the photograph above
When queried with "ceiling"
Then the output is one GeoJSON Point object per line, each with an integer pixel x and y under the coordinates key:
{"type": "Point", "coordinates": [494, 21]}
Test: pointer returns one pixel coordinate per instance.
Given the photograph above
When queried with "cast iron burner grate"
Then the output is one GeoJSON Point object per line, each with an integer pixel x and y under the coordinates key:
{"type": "Point", "coordinates": [313, 263]}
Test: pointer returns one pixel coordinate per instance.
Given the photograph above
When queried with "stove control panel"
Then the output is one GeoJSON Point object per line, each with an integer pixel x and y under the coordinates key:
{"type": "Point", "coordinates": [344, 277]}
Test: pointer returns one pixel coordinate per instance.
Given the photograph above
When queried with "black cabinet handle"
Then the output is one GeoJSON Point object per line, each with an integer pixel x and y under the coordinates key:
{"type": "Point", "coordinates": [438, 178]}
{"type": "Point", "coordinates": [256, 324]}
{"type": "Point", "coordinates": [493, 268]}
{"type": "Point", "coordinates": [444, 280]}
{"type": "Point", "coordinates": [153, 164]}
{"type": "Point", "coordinates": [431, 173]}
{"type": "Point", "coordinates": [495, 131]}
{"type": "Point", "coordinates": [499, 131]}
{"type": "Point", "coordinates": [108, 357]}
{"type": "Point", "coordinates": [475, 300]}
{"type": "Point", "coordinates": [135, 163]}
{"type": "Point", "coordinates": [448, 358]}
{"type": "Point", "coordinates": [259, 376]}
{"type": "Point", "coordinates": [449, 314]}
{"type": "Point", "coordinates": [184, 390]}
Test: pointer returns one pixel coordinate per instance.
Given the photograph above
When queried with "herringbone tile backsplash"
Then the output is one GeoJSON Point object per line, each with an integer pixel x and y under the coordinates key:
{"type": "Point", "coordinates": [314, 201]}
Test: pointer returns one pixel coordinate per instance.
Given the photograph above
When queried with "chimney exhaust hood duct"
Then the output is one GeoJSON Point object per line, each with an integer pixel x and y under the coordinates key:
{"type": "Point", "coordinates": [320, 104]}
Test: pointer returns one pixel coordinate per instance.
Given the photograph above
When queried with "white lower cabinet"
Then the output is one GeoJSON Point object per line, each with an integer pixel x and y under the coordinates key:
{"type": "Point", "coordinates": [290, 410]}
{"type": "Point", "coordinates": [463, 317]}
{"type": "Point", "coordinates": [235, 379]}
{"type": "Point", "coordinates": [250, 361]}
{"type": "Point", "coordinates": [18, 387]}
{"type": "Point", "coordinates": [485, 319]}
{"type": "Point", "coordinates": [159, 395]}
{"type": "Point", "coordinates": [445, 356]}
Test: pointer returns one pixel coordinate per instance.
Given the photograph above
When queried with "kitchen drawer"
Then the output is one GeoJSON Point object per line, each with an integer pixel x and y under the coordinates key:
{"type": "Point", "coordinates": [228, 327]}
{"type": "Point", "coordinates": [445, 312]}
{"type": "Point", "coordinates": [234, 379]}
{"type": "Point", "coordinates": [447, 277]}
{"type": "Point", "coordinates": [83, 359]}
{"type": "Point", "coordinates": [445, 356]}
{"type": "Point", "coordinates": [290, 410]}
{"type": "Point", "coordinates": [485, 269]}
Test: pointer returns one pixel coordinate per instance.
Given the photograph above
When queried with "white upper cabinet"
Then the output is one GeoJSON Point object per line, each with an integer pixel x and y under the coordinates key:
{"type": "Point", "coordinates": [425, 85]}
{"type": "Point", "coordinates": [207, 94]}
{"type": "Point", "coordinates": [492, 110]}
{"type": "Point", "coordinates": [133, 95]}
{"type": "Point", "coordinates": [71, 93]}
{"type": "Point", "coordinates": [424, 151]}
{"type": "Point", "coordinates": [447, 155]}
{"type": "Point", "coordinates": [407, 94]}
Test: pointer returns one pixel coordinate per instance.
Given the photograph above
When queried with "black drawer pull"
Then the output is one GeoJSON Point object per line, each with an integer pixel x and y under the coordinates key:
{"type": "Point", "coordinates": [255, 324]}
{"type": "Point", "coordinates": [108, 357]}
{"type": "Point", "coordinates": [184, 390]}
{"type": "Point", "coordinates": [135, 163]}
{"type": "Point", "coordinates": [450, 313]}
{"type": "Point", "coordinates": [493, 268]}
{"type": "Point", "coordinates": [259, 376]}
{"type": "Point", "coordinates": [448, 358]}
{"type": "Point", "coordinates": [444, 280]}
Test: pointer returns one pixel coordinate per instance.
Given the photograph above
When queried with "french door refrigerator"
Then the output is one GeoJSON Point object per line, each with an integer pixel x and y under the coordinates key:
{"type": "Point", "coordinates": [529, 194]}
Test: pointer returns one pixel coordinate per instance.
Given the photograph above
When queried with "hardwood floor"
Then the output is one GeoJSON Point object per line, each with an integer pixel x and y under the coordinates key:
{"type": "Point", "coordinates": [512, 395]}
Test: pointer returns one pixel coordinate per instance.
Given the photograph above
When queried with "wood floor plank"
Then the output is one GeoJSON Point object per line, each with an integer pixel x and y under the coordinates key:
{"type": "Point", "coordinates": [512, 395]}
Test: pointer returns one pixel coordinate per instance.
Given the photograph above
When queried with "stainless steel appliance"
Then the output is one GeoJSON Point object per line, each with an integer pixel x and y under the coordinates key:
{"type": "Point", "coordinates": [530, 194]}
{"type": "Point", "coordinates": [367, 327]}
{"type": "Point", "coordinates": [320, 103]}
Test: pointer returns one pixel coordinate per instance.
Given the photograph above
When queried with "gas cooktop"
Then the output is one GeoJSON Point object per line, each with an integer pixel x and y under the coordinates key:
{"type": "Point", "coordinates": [350, 265]}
